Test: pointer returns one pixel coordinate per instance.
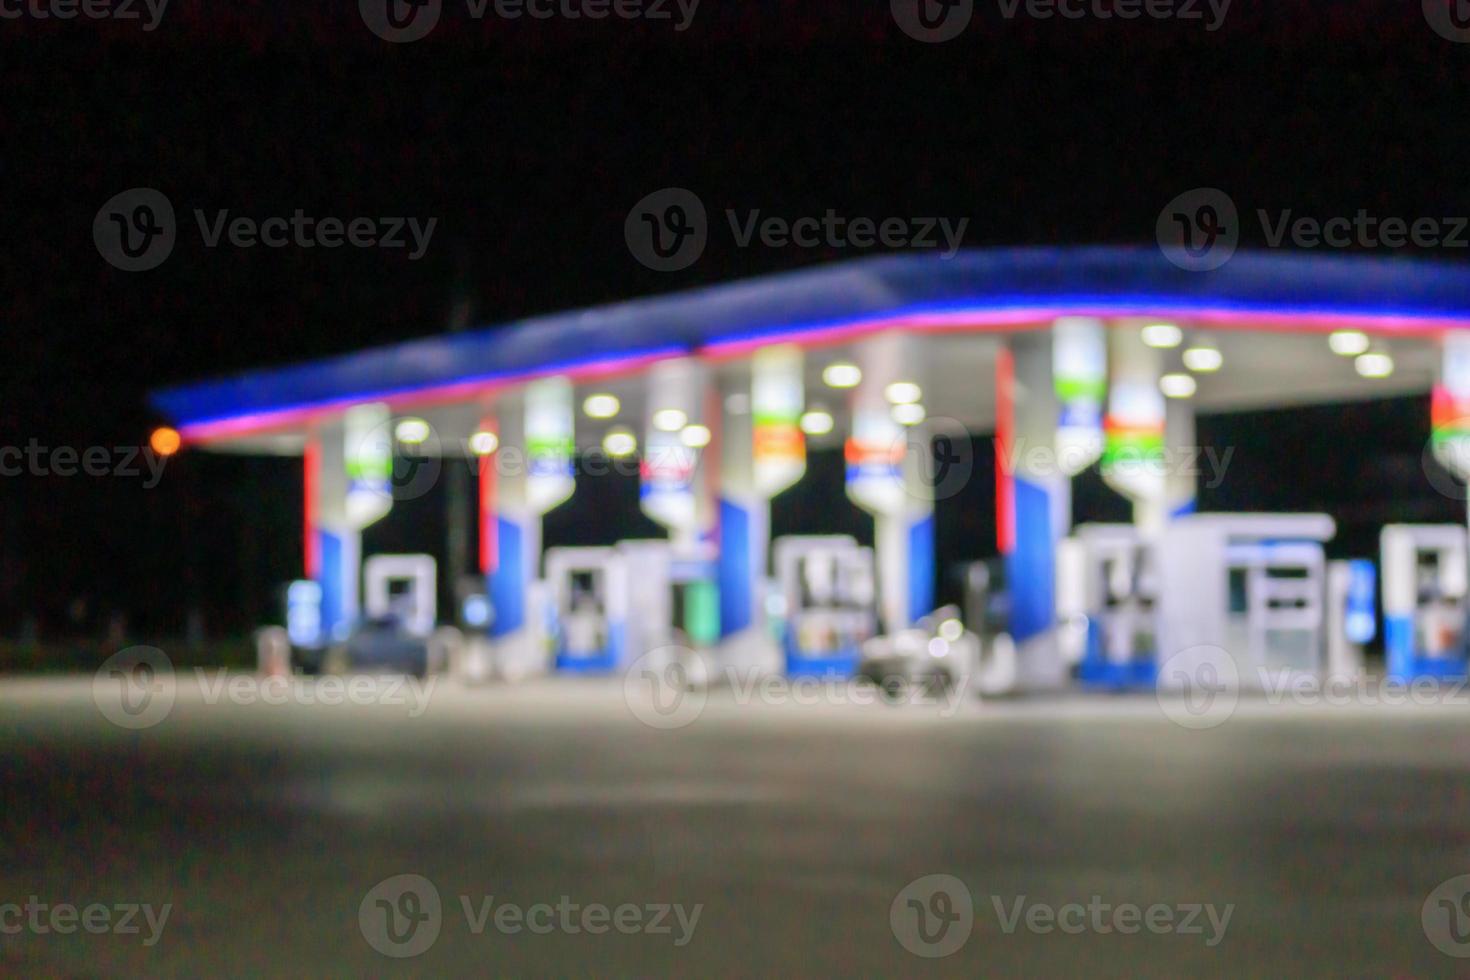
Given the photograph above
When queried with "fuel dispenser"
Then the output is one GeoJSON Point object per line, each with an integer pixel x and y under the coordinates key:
{"type": "Point", "coordinates": [829, 593]}
{"type": "Point", "coordinates": [589, 608]}
{"type": "Point", "coordinates": [1251, 584]}
{"type": "Point", "coordinates": [1107, 589]}
{"type": "Point", "coordinates": [672, 595]}
{"type": "Point", "coordinates": [403, 587]}
{"type": "Point", "coordinates": [1424, 600]}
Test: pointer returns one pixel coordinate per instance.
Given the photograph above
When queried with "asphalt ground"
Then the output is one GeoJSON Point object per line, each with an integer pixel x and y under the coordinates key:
{"type": "Point", "coordinates": [553, 820]}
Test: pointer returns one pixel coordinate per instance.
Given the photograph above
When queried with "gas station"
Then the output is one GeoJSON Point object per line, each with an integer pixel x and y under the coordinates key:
{"type": "Point", "coordinates": [1070, 357]}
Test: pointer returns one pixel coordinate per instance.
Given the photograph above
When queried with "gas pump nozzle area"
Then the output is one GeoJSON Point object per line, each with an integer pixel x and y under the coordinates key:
{"type": "Point", "coordinates": [829, 599]}
{"type": "Point", "coordinates": [1252, 585]}
{"type": "Point", "coordinates": [1424, 600]}
{"type": "Point", "coordinates": [1107, 598]}
{"type": "Point", "coordinates": [828, 603]}
{"type": "Point", "coordinates": [589, 608]}
{"type": "Point", "coordinates": [610, 607]}
{"type": "Point", "coordinates": [1256, 586]}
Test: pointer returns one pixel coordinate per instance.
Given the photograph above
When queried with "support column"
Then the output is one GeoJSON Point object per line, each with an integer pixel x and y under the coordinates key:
{"type": "Point", "coordinates": [1151, 456]}
{"type": "Point", "coordinates": [1181, 483]}
{"type": "Point", "coordinates": [1034, 500]}
{"type": "Point", "coordinates": [762, 452]}
{"type": "Point", "coordinates": [510, 531]}
{"type": "Point", "coordinates": [675, 493]}
{"type": "Point", "coordinates": [886, 463]}
{"type": "Point", "coordinates": [348, 485]}
{"type": "Point", "coordinates": [1080, 380]}
{"type": "Point", "coordinates": [529, 474]}
{"type": "Point", "coordinates": [904, 549]}
{"type": "Point", "coordinates": [1134, 459]}
{"type": "Point", "coordinates": [744, 524]}
{"type": "Point", "coordinates": [669, 494]}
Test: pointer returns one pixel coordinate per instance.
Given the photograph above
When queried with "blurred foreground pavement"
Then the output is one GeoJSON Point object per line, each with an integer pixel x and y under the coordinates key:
{"type": "Point", "coordinates": [793, 828]}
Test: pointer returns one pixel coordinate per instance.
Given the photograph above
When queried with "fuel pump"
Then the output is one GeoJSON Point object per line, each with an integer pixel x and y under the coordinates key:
{"type": "Point", "coordinates": [1113, 583]}
{"type": "Point", "coordinates": [589, 591]}
{"type": "Point", "coordinates": [403, 587]}
{"type": "Point", "coordinates": [1250, 584]}
{"type": "Point", "coordinates": [829, 593]}
{"type": "Point", "coordinates": [1424, 600]}
{"type": "Point", "coordinates": [671, 596]}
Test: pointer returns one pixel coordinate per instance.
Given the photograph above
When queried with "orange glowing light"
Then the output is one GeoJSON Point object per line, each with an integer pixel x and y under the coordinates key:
{"type": "Point", "coordinates": [164, 441]}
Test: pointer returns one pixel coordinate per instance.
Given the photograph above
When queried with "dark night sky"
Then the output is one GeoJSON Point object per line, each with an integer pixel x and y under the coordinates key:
{"type": "Point", "coordinates": [529, 141]}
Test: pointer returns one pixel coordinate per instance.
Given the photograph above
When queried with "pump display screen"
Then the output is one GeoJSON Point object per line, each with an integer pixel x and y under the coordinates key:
{"type": "Point", "coordinates": [828, 583]}
{"type": "Point", "coordinates": [585, 590]}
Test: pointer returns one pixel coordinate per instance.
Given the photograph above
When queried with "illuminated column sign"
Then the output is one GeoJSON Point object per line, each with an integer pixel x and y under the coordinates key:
{"type": "Point", "coordinates": [1133, 452]}
{"type": "Point", "coordinates": [1450, 407]}
{"type": "Point", "coordinates": [777, 397]}
{"type": "Point", "coordinates": [368, 450]}
{"type": "Point", "coordinates": [875, 455]}
{"type": "Point", "coordinates": [668, 493]}
{"type": "Point", "coordinates": [532, 473]}
{"type": "Point", "coordinates": [1079, 356]}
{"type": "Point", "coordinates": [550, 444]}
{"type": "Point", "coordinates": [762, 452]}
{"type": "Point", "coordinates": [884, 478]}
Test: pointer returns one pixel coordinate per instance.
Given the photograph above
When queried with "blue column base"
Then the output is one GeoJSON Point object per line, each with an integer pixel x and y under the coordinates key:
{"type": "Point", "coordinates": [1097, 672]}
{"type": "Point", "coordinates": [604, 661]}
{"type": "Point", "coordinates": [1406, 670]}
{"type": "Point", "coordinates": [507, 584]}
{"type": "Point", "coordinates": [1031, 565]}
{"type": "Point", "coordinates": [840, 663]}
{"type": "Point", "coordinates": [1406, 664]}
{"type": "Point", "coordinates": [921, 568]}
{"type": "Point", "coordinates": [736, 573]}
{"type": "Point", "coordinates": [1105, 675]}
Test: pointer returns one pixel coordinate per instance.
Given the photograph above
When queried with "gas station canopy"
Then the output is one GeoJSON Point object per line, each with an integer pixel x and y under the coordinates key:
{"type": "Point", "coordinates": [987, 292]}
